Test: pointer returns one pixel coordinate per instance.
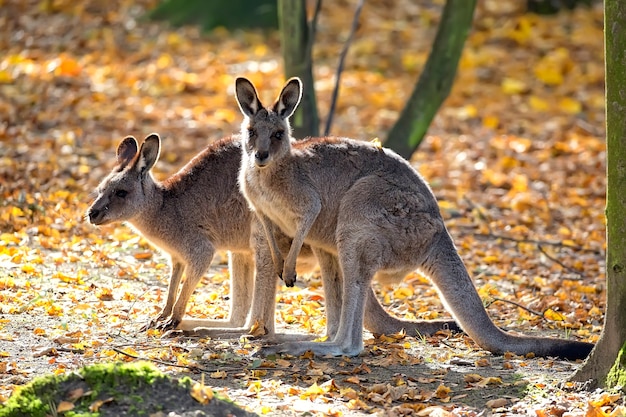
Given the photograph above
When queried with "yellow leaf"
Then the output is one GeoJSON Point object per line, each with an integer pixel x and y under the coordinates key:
{"type": "Point", "coordinates": [570, 105]}
{"type": "Point", "coordinates": [551, 69]}
{"type": "Point", "coordinates": [353, 379]}
{"type": "Point", "coordinates": [164, 60]}
{"type": "Point", "coordinates": [538, 104]}
{"type": "Point", "coordinates": [104, 294]}
{"type": "Point", "coordinates": [497, 403]}
{"type": "Point", "coordinates": [201, 392]}
{"type": "Point", "coordinates": [5, 77]}
{"type": "Point", "coordinates": [549, 74]}
{"type": "Point", "coordinates": [28, 269]}
{"type": "Point", "coordinates": [442, 391]}
{"type": "Point", "coordinates": [492, 380]}
{"type": "Point", "coordinates": [553, 315]}
{"type": "Point", "coordinates": [472, 378]}
{"type": "Point", "coordinates": [143, 255]}
{"type": "Point", "coordinates": [9, 238]}
{"type": "Point", "coordinates": [491, 122]}
{"type": "Point", "coordinates": [483, 362]}
{"type": "Point", "coordinates": [402, 293]}
{"type": "Point", "coordinates": [467, 112]}
{"type": "Point", "coordinates": [17, 212]}
{"type": "Point", "coordinates": [512, 86]}
{"type": "Point", "coordinates": [491, 259]}
{"type": "Point", "coordinates": [95, 406]}
{"type": "Point", "coordinates": [523, 30]}
{"type": "Point", "coordinates": [76, 394]}
{"type": "Point", "coordinates": [312, 392]}
{"type": "Point", "coordinates": [54, 310]}
{"type": "Point", "coordinates": [64, 406]}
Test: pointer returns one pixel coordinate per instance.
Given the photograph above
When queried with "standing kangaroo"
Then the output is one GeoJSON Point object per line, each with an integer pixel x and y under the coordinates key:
{"type": "Point", "coordinates": [189, 216]}
{"type": "Point", "coordinates": [195, 213]}
{"type": "Point", "coordinates": [369, 208]}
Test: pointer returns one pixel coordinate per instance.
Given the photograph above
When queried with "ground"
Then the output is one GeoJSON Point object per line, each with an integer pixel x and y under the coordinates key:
{"type": "Point", "coordinates": [516, 158]}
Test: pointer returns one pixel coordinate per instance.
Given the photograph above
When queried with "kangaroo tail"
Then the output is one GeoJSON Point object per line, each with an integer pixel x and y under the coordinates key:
{"type": "Point", "coordinates": [447, 271]}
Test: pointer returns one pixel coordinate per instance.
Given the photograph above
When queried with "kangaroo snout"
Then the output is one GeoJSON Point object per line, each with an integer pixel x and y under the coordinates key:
{"type": "Point", "coordinates": [261, 158]}
{"type": "Point", "coordinates": [96, 216]}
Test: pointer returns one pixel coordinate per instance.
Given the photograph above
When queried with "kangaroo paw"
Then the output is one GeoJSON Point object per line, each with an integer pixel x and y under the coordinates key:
{"type": "Point", "coordinates": [170, 324]}
{"type": "Point", "coordinates": [290, 280]}
{"type": "Point", "coordinates": [153, 323]}
{"type": "Point", "coordinates": [170, 334]}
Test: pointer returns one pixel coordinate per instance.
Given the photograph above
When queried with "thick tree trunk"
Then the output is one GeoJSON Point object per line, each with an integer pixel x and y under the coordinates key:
{"type": "Point", "coordinates": [436, 79]}
{"type": "Point", "coordinates": [603, 356]}
{"type": "Point", "coordinates": [297, 45]}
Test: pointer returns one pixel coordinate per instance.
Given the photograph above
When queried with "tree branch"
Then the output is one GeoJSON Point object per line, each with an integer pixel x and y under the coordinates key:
{"type": "Point", "coordinates": [342, 58]}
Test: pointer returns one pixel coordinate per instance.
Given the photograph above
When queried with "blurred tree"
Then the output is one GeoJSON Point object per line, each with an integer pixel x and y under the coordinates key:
{"type": "Point", "coordinates": [436, 79]}
{"type": "Point", "coordinates": [297, 37]}
{"type": "Point", "coordinates": [602, 368]}
{"type": "Point", "coordinates": [211, 14]}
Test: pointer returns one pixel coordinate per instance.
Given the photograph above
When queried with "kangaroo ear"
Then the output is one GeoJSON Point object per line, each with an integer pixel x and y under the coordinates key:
{"type": "Point", "coordinates": [148, 154]}
{"type": "Point", "coordinates": [247, 97]}
{"type": "Point", "coordinates": [126, 150]}
{"type": "Point", "coordinates": [289, 98]}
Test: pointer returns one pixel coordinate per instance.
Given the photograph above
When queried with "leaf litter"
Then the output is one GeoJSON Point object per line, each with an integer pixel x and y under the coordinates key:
{"type": "Point", "coordinates": [516, 157]}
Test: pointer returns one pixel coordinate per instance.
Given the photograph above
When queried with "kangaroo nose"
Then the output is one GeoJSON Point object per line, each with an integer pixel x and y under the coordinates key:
{"type": "Point", "coordinates": [93, 215]}
{"type": "Point", "coordinates": [262, 158]}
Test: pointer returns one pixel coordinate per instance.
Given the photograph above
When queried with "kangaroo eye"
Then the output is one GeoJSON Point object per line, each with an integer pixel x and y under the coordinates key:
{"type": "Point", "coordinates": [279, 135]}
{"type": "Point", "coordinates": [121, 193]}
{"type": "Point", "coordinates": [251, 132]}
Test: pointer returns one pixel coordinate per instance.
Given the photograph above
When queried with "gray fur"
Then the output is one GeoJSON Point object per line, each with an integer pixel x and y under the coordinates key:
{"type": "Point", "coordinates": [368, 207]}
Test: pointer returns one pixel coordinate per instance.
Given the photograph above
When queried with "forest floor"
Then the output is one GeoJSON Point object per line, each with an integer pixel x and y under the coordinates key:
{"type": "Point", "coordinates": [516, 158]}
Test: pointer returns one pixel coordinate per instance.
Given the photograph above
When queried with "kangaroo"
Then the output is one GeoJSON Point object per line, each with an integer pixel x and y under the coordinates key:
{"type": "Point", "coordinates": [198, 211]}
{"type": "Point", "coordinates": [370, 209]}
{"type": "Point", "coordinates": [189, 216]}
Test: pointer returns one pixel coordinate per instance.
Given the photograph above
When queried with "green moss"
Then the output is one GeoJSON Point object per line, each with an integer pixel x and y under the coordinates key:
{"type": "Point", "coordinates": [617, 375]}
{"type": "Point", "coordinates": [39, 397]}
{"type": "Point", "coordinates": [112, 374]}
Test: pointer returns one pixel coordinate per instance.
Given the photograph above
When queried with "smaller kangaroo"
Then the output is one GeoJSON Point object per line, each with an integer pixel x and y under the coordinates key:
{"type": "Point", "coordinates": [370, 209]}
{"type": "Point", "coordinates": [190, 216]}
{"type": "Point", "coordinates": [198, 211]}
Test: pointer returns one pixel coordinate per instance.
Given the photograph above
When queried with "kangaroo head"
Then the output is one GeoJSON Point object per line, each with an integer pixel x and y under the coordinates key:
{"type": "Point", "coordinates": [265, 130]}
{"type": "Point", "coordinates": [122, 195]}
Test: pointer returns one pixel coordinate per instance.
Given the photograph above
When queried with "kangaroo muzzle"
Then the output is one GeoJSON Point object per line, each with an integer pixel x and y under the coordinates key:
{"type": "Point", "coordinates": [96, 216]}
{"type": "Point", "coordinates": [261, 158]}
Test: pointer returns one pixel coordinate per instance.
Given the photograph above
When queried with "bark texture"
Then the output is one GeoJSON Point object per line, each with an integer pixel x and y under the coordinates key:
{"type": "Point", "coordinates": [602, 358]}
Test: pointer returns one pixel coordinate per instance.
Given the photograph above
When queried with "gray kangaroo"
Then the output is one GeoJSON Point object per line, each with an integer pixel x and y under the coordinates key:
{"type": "Point", "coordinates": [368, 207]}
{"type": "Point", "coordinates": [198, 211]}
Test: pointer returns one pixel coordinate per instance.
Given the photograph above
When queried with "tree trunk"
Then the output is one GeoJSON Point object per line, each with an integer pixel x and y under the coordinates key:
{"type": "Point", "coordinates": [296, 40]}
{"type": "Point", "coordinates": [436, 80]}
{"type": "Point", "coordinates": [617, 374]}
{"type": "Point", "coordinates": [604, 355]}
